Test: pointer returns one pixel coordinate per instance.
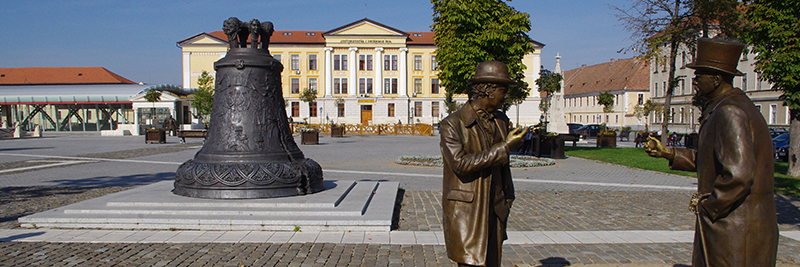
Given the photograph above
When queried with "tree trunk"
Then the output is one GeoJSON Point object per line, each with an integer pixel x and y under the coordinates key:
{"type": "Point", "coordinates": [794, 144]}
{"type": "Point", "coordinates": [673, 53]}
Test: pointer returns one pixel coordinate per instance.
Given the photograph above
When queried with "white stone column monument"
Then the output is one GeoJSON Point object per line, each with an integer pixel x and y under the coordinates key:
{"type": "Point", "coordinates": [558, 121]}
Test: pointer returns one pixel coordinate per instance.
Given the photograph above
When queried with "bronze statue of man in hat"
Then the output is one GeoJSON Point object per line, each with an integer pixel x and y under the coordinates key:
{"type": "Point", "coordinates": [736, 221]}
{"type": "Point", "coordinates": [477, 190]}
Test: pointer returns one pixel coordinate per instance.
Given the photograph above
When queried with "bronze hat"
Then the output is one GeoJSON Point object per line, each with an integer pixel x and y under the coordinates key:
{"type": "Point", "coordinates": [718, 55]}
{"type": "Point", "coordinates": [492, 72]}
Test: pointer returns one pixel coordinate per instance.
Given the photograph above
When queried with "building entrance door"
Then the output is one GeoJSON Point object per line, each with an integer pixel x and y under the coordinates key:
{"type": "Point", "coordinates": [366, 114]}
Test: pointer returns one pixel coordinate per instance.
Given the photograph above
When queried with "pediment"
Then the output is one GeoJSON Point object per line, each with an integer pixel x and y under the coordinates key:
{"type": "Point", "coordinates": [365, 27]}
{"type": "Point", "coordinates": [202, 39]}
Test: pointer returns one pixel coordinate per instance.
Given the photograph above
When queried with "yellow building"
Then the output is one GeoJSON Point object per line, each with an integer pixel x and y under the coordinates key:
{"type": "Point", "coordinates": [364, 73]}
{"type": "Point", "coordinates": [626, 79]}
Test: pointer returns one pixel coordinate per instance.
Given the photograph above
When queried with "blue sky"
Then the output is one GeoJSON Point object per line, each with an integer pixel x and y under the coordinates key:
{"type": "Point", "coordinates": [137, 39]}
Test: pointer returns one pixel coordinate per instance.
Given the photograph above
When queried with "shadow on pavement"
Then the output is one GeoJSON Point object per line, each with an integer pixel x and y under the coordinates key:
{"type": "Point", "coordinates": [788, 213]}
{"type": "Point", "coordinates": [122, 181]}
{"type": "Point", "coordinates": [24, 148]}
{"type": "Point", "coordinates": [554, 262]}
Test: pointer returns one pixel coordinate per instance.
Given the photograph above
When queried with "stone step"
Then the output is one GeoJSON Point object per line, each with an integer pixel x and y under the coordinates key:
{"type": "Point", "coordinates": [346, 205]}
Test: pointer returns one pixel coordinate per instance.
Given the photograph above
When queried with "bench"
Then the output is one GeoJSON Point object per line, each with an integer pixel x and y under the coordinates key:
{"type": "Point", "coordinates": [625, 134]}
{"type": "Point", "coordinates": [192, 134]}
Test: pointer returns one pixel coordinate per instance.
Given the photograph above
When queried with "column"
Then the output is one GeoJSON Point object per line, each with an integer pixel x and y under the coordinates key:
{"type": "Point", "coordinates": [352, 84]}
{"type": "Point", "coordinates": [403, 83]}
{"type": "Point", "coordinates": [187, 71]}
{"type": "Point", "coordinates": [328, 73]}
{"type": "Point", "coordinates": [378, 72]}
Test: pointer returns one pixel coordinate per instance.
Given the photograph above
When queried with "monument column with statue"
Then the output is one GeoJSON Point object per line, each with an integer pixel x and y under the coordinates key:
{"type": "Point", "coordinates": [558, 121]}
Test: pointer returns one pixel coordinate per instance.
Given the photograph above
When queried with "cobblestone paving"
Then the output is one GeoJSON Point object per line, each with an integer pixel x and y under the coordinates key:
{"type": "Point", "coordinates": [17, 202]}
{"type": "Point", "coordinates": [326, 254]}
{"type": "Point", "coordinates": [583, 211]}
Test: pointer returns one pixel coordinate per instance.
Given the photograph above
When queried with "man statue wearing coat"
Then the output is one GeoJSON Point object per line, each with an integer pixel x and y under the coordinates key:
{"type": "Point", "coordinates": [736, 221]}
{"type": "Point", "coordinates": [477, 189]}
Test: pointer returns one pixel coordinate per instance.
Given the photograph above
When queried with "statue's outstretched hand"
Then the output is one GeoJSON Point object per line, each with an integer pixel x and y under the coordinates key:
{"type": "Point", "coordinates": [654, 148]}
{"type": "Point", "coordinates": [516, 137]}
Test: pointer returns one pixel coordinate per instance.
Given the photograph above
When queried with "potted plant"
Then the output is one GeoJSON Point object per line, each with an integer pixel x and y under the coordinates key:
{"type": "Point", "coordinates": [155, 135]}
{"type": "Point", "coordinates": [309, 135]}
{"type": "Point", "coordinates": [337, 130]}
{"type": "Point", "coordinates": [607, 138]}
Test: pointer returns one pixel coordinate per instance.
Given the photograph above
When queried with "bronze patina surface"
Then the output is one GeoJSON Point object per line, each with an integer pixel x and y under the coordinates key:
{"type": "Point", "coordinates": [477, 190]}
{"type": "Point", "coordinates": [250, 152]}
{"type": "Point", "coordinates": [736, 220]}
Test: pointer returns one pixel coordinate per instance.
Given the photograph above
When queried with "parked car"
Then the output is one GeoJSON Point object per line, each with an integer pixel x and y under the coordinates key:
{"type": "Point", "coordinates": [589, 130]}
{"type": "Point", "coordinates": [780, 147]}
{"type": "Point", "coordinates": [774, 132]}
{"type": "Point", "coordinates": [574, 126]}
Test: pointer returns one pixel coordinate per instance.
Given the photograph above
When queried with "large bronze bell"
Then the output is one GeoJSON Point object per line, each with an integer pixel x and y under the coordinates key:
{"type": "Point", "coordinates": [250, 152]}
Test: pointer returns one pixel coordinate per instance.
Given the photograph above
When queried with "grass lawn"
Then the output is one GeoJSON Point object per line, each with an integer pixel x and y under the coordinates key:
{"type": "Point", "coordinates": [637, 158]}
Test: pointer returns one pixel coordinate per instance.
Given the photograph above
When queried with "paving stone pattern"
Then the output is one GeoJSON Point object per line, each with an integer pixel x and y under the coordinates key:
{"type": "Point", "coordinates": [583, 211]}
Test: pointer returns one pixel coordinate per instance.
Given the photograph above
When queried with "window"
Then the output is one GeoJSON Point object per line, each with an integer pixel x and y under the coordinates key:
{"type": "Point", "coordinates": [88, 115]}
{"type": "Point", "coordinates": [390, 62]}
{"type": "Point", "coordinates": [365, 85]}
{"type": "Point", "coordinates": [312, 84]}
{"type": "Point", "coordinates": [672, 115]}
{"type": "Point", "coordinates": [683, 87]}
{"type": "Point", "coordinates": [390, 85]}
{"type": "Point", "coordinates": [339, 62]}
{"type": "Point", "coordinates": [391, 110]}
{"type": "Point", "coordinates": [365, 62]}
{"type": "Point", "coordinates": [434, 86]}
{"type": "Point", "coordinates": [665, 88]}
{"type": "Point", "coordinates": [434, 63]}
{"type": "Point", "coordinates": [683, 60]}
{"type": "Point", "coordinates": [340, 86]}
{"type": "Point", "coordinates": [418, 85]}
{"type": "Point", "coordinates": [655, 65]}
{"type": "Point", "coordinates": [295, 85]}
{"type": "Point", "coordinates": [418, 62]}
{"type": "Point", "coordinates": [434, 109]}
{"type": "Point", "coordinates": [312, 109]}
{"type": "Point", "coordinates": [277, 57]}
{"type": "Point", "coordinates": [295, 64]}
{"type": "Point", "coordinates": [312, 62]}
{"type": "Point", "coordinates": [758, 107]}
{"type": "Point", "coordinates": [418, 109]}
{"type": "Point", "coordinates": [340, 110]}
{"type": "Point", "coordinates": [744, 82]}
{"type": "Point", "coordinates": [680, 116]}
{"type": "Point", "coordinates": [295, 109]}
{"type": "Point", "coordinates": [655, 90]}
{"type": "Point", "coordinates": [773, 114]}
{"type": "Point", "coordinates": [641, 99]}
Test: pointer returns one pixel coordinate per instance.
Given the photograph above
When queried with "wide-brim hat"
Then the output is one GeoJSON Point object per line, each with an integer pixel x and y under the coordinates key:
{"type": "Point", "coordinates": [492, 72]}
{"type": "Point", "coordinates": [718, 56]}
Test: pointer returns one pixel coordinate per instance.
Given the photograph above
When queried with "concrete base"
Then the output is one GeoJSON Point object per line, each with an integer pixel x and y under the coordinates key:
{"type": "Point", "coordinates": [118, 132]}
{"type": "Point", "coordinates": [343, 206]}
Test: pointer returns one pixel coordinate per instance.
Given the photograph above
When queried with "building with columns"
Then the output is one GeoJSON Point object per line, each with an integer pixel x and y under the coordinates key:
{"type": "Point", "coordinates": [364, 73]}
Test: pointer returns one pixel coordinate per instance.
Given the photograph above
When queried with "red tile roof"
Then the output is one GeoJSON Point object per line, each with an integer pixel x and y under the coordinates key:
{"type": "Point", "coordinates": [285, 37]}
{"type": "Point", "coordinates": [60, 75]}
{"type": "Point", "coordinates": [420, 38]}
{"type": "Point", "coordinates": [622, 74]}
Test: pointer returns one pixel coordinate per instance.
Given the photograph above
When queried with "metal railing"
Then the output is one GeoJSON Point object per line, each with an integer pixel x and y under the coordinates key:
{"type": "Point", "coordinates": [379, 129]}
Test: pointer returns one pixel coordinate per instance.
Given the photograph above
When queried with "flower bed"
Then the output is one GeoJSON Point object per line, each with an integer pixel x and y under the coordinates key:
{"type": "Point", "coordinates": [516, 161]}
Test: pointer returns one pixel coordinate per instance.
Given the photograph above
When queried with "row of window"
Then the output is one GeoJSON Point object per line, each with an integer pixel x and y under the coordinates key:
{"type": "Point", "coordinates": [592, 101]}
{"type": "Point", "coordinates": [682, 89]}
{"type": "Point", "coordinates": [365, 62]}
{"type": "Point", "coordinates": [416, 111]}
{"type": "Point", "coordinates": [390, 85]}
{"type": "Point", "coordinates": [679, 117]}
{"type": "Point", "coordinates": [597, 118]}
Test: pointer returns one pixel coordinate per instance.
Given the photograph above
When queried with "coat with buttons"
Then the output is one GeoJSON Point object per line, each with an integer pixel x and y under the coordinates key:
{"type": "Point", "coordinates": [734, 164]}
{"type": "Point", "coordinates": [476, 182]}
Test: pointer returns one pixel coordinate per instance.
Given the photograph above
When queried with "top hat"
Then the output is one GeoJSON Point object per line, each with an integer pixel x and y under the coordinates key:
{"type": "Point", "coordinates": [718, 56]}
{"type": "Point", "coordinates": [492, 72]}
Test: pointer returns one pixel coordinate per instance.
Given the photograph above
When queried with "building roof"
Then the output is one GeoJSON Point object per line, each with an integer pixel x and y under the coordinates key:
{"type": "Point", "coordinates": [60, 75]}
{"type": "Point", "coordinates": [281, 37]}
{"type": "Point", "coordinates": [616, 75]}
{"type": "Point", "coordinates": [78, 94]}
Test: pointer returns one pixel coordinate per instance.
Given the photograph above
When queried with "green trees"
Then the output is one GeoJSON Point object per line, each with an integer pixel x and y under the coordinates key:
{"type": "Point", "coordinates": [204, 97]}
{"type": "Point", "coordinates": [645, 109]}
{"type": "Point", "coordinates": [549, 82]}
{"type": "Point", "coordinates": [153, 96]}
{"type": "Point", "coordinates": [773, 32]}
{"type": "Point", "coordinates": [468, 32]}
{"type": "Point", "coordinates": [309, 96]}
